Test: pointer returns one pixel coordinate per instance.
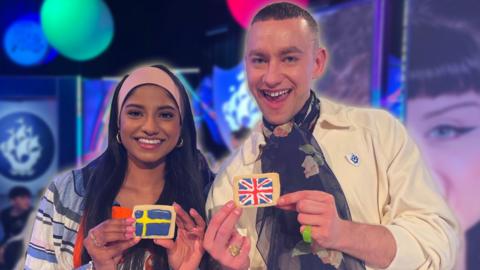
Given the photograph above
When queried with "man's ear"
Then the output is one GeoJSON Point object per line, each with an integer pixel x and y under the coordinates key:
{"type": "Point", "coordinates": [320, 62]}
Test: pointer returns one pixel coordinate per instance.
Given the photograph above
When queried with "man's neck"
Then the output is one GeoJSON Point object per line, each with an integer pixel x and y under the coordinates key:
{"type": "Point", "coordinates": [18, 211]}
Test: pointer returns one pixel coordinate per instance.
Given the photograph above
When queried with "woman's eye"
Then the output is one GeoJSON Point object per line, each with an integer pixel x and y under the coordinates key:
{"type": "Point", "coordinates": [134, 113]}
{"type": "Point", "coordinates": [446, 132]}
{"type": "Point", "coordinates": [166, 115]}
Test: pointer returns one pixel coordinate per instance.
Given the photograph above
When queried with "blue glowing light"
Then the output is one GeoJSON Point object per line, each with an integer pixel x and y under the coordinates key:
{"type": "Point", "coordinates": [25, 43]}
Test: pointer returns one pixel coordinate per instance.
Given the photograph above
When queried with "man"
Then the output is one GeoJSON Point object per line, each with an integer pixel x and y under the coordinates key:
{"type": "Point", "coordinates": [14, 219]}
{"type": "Point", "coordinates": [352, 180]}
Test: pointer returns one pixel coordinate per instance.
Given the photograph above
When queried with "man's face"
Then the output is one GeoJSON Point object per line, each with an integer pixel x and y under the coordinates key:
{"type": "Point", "coordinates": [21, 202]}
{"type": "Point", "coordinates": [281, 62]}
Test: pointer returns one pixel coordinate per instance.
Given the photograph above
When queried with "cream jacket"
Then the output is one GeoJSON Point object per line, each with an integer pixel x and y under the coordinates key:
{"type": "Point", "coordinates": [390, 186]}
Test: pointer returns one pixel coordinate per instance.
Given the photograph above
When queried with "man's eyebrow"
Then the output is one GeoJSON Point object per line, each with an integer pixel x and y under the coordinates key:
{"type": "Point", "coordinates": [292, 49]}
{"type": "Point", "coordinates": [256, 53]}
{"type": "Point", "coordinates": [284, 51]}
{"type": "Point", "coordinates": [450, 108]}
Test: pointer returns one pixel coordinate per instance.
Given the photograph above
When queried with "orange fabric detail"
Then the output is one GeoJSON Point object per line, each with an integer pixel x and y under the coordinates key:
{"type": "Point", "coordinates": [77, 249]}
{"type": "Point", "coordinates": [121, 212]}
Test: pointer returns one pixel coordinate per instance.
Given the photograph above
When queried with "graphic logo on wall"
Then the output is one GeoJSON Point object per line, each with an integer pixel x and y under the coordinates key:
{"type": "Point", "coordinates": [240, 109]}
{"type": "Point", "coordinates": [232, 101]}
{"type": "Point", "coordinates": [26, 146]}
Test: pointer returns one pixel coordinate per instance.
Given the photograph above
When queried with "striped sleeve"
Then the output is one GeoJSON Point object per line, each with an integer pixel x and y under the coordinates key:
{"type": "Point", "coordinates": [41, 249]}
{"type": "Point", "coordinates": [55, 227]}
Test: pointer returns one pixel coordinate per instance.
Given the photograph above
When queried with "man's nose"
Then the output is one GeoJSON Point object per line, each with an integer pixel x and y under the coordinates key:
{"type": "Point", "coordinates": [273, 75]}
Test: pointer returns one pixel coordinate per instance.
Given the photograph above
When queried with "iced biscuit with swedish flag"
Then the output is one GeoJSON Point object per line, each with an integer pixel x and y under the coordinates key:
{"type": "Point", "coordinates": [256, 190]}
{"type": "Point", "coordinates": [154, 221]}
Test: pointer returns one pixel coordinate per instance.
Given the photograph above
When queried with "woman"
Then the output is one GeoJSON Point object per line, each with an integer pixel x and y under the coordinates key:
{"type": "Point", "coordinates": [443, 114]}
{"type": "Point", "coordinates": [151, 158]}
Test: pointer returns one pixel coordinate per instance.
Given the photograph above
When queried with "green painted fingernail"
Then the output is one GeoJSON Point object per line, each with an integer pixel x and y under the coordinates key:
{"type": "Point", "coordinates": [307, 234]}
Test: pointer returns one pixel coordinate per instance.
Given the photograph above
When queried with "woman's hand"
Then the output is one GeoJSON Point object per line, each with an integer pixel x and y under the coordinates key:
{"type": "Point", "coordinates": [106, 242]}
{"type": "Point", "coordinates": [186, 252]}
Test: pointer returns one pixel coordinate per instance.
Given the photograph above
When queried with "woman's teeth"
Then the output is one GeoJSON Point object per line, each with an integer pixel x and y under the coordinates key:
{"type": "Point", "coordinates": [149, 141]}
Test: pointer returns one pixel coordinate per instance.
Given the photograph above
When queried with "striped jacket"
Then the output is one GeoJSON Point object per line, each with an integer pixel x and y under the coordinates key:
{"type": "Point", "coordinates": [58, 220]}
{"type": "Point", "coordinates": [56, 224]}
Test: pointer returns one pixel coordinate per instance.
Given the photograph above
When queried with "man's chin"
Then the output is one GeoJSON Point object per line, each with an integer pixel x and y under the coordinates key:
{"type": "Point", "coordinates": [276, 119]}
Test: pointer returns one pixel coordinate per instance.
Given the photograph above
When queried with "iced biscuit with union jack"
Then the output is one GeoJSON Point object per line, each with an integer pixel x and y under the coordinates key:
{"type": "Point", "coordinates": [154, 221]}
{"type": "Point", "coordinates": [256, 190]}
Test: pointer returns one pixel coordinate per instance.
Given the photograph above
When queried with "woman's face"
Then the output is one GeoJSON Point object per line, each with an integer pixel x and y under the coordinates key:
{"type": "Point", "coordinates": [149, 125]}
{"type": "Point", "coordinates": [447, 129]}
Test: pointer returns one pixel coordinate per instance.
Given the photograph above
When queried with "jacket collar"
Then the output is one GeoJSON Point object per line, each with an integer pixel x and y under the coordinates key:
{"type": "Point", "coordinates": [332, 113]}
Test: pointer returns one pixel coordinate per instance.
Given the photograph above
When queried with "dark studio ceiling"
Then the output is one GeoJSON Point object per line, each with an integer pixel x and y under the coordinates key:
{"type": "Point", "coordinates": [184, 34]}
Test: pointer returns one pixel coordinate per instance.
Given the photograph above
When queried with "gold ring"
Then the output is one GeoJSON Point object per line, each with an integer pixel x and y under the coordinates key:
{"type": "Point", "coordinates": [94, 239]}
{"type": "Point", "coordinates": [234, 250]}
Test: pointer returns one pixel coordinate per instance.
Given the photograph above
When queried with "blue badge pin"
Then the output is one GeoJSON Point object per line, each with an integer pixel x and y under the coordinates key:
{"type": "Point", "coordinates": [354, 159]}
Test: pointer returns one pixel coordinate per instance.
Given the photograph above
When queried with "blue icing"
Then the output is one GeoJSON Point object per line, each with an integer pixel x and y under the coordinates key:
{"type": "Point", "coordinates": [159, 214]}
{"type": "Point", "coordinates": [138, 214]}
{"type": "Point", "coordinates": [268, 185]}
{"type": "Point", "coordinates": [158, 229]}
{"type": "Point", "coordinates": [242, 187]}
{"type": "Point", "coordinates": [138, 229]}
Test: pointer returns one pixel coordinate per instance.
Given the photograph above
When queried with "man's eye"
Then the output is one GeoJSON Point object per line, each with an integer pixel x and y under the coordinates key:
{"type": "Point", "coordinates": [290, 59]}
{"type": "Point", "coordinates": [446, 132]}
{"type": "Point", "coordinates": [257, 60]}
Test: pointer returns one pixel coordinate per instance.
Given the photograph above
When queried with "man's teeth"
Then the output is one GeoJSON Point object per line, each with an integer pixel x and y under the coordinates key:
{"type": "Point", "coordinates": [149, 141]}
{"type": "Point", "coordinates": [276, 94]}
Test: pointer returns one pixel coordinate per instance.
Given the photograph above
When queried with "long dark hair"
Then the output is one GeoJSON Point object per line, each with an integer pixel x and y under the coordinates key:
{"type": "Point", "coordinates": [184, 179]}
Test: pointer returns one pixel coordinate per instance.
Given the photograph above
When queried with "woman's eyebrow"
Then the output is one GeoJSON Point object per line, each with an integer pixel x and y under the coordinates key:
{"type": "Point", "coordinates": [134, 105]}
{"type": "Point", "coordinates": [166, 107]}
{"type": "Point", "coordinates": [457, 106]}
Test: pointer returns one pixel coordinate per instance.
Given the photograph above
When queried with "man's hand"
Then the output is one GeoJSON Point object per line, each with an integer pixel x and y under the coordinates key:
{"type": "Point", "coordinates": [373, 244]}
{"type": "Point", "coordinates": [317, 209]}
{"type": "Point", "coordinates": [224, 243]}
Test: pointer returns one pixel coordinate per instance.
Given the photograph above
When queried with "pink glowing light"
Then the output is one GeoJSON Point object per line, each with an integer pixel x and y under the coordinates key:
{"type": "Point", "coordinates": [243, 10]}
